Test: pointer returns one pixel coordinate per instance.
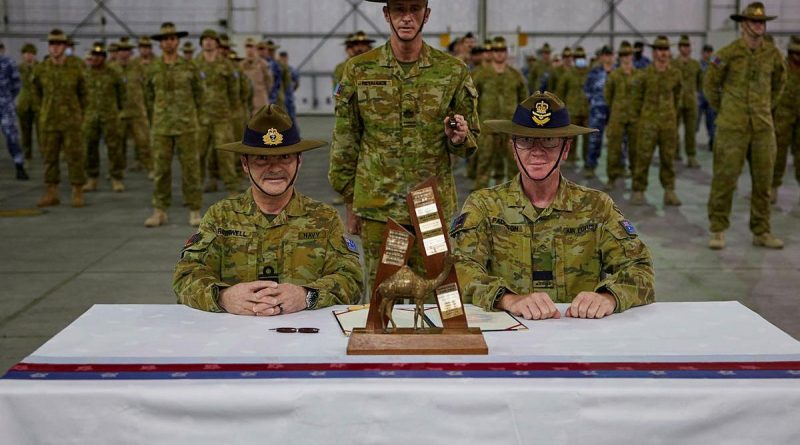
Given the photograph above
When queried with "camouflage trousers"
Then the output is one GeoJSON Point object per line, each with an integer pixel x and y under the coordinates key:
{"type": "Point", "coordinates": [52, 144]}
{"type": "Point", "coordinates": [108, 128]}
{"type": "Point", "coordinates": [617, 132]}
{"type": "Point", "coordinates": [731, 149]}
{"type": "Point", "coordinates": [583, 121]}
{"type": "Point", "coordinates": [598, 118]}
{"type": "Point", "coordinates": [646, 140]}
{"type": "Point", "coordinates": [27, 122]}
{"type": "Point", "coordinates": [493, 159]}
{"type": "Point", "coordinates": [688, 115]}
{"type": "Point", "coordinates": [138, 129]}
{"type": "Point", "coordinates": [372, 232]}
{"type": "Point", "coordinates": [163, 149]}
{"type": "Point", "coordinates": [787, 134]}
{"type": "Point", "coordinates": [210, 136]}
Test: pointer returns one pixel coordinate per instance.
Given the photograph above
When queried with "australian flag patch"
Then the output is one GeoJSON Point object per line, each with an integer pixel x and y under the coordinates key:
{"type": "Point", "coordinates": [629, 229]}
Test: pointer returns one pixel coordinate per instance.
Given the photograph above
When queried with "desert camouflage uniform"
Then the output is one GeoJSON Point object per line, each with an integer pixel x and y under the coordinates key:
{"type": "Point", "coordinates": [240, 111]}
{"type": "Point", "coordinates": [105, 99]}
{"type": "Point", "coordinates": [692, 76]}
{"type": "Point", "coordinates": [621, 121]}
{"type": "Point", "coordinates": [134, 113]}
{"type": "Point", "coordinates": [787, 127]}
{"type": "Point", "coordinates": [570, 90]}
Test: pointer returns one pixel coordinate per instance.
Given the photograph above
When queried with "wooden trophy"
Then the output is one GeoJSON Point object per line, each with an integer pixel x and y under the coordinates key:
{"type": "Point", "coordinates": [395, 281]}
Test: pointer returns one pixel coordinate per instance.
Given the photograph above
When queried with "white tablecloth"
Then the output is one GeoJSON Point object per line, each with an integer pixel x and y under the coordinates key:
{"type": "Point", "coordinates": [391, 410]}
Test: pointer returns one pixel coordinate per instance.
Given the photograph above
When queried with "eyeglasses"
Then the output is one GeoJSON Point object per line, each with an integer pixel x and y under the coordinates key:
{"type": "Point", "coordinates": [545, 143]}
{"type": "Point", "coordinates": [293, 330]}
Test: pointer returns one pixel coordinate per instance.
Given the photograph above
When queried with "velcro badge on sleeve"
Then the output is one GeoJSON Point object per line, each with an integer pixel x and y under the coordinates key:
{"type": "Point", "coordinates": [458, 222]}
{"type": "Point", "coordinates": [351, 245]}
{"type": "Point", "coordinates": [193, 239]}
{"type": "Point", "coordinates": [629, 229]}
{"type": "Point", "coordinates": [716, 60]}
{"type": "Point", "coordinates": [337, 90]}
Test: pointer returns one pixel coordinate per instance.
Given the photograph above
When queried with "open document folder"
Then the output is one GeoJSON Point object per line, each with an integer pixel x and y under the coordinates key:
{"type": "Point", "coordinates": [403, 315]}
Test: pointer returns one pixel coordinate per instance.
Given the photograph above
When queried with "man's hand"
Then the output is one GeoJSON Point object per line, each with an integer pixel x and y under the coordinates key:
{"type": "Point", "coordinates": [591, 305]}
{"type": "Point", "coordinates": [459, 134]}
{"type": "Point", "coordinates": [283, 298]}
{"type": "Point", "coordinates": [535, 306]}
{"type": "Point", "coordinates": [353, 221]}
{"type": "Point", "coordinates": [242, 299]}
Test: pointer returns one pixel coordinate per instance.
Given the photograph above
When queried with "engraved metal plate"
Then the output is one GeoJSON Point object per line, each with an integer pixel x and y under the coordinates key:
{"type": "Point", "coordinates": [449, 301]}
{"type": "Point", "coordinates": [396, 245]}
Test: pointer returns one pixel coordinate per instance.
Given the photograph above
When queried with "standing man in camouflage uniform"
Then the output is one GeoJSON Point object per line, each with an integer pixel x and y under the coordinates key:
{"type": "Point", "coordinates": [692, 76]}
{"type": "Point", "coordinates": [706, 112]}
{"type": "Point", "coordinates": [103, 105]}
{"type": "Point", "coordinates": [559, 71]}
{"type": "Point", "coordinates": [656, 100]}
{"type": "Point", "coordinates": [622, 116]}
{"type": "Point", "coordinates": [743, 84]}
{"type": "Point", "coordinates": [259, 73]}
{"type": "Point", "coordinates": [541, 71]}
{"type": "Point", "coordinates": [61, 87]}
{"type": "Point", "coordinates": [392, 131]}
{"type": "Point", "coordinates": [540, 239]}
{"type": "Point", "coordinates": [270, 250]}
{"type": "Point", "coordinates": [10, 85]}
{"type": "Point", "coordinates": [570, 87]}
{"type": "Point", "coordinates": [27, 105]}
{"type": "Point", "coordinates": [500, 88]}
{"type": "Point", "coordinates": [598, 107]}
{"type": "Point", "coordinates": [188, 50]}
{"type": "Point", "coordinates": [134, 110]}
{"type": "Point", "coordinates": [787, 120]}
{"type": "Point", "coordinates": [220, 93]}
{"type": "Point", "coordinates": [173, 87]}
{"type": "Point", "coordinates": [145, 47]}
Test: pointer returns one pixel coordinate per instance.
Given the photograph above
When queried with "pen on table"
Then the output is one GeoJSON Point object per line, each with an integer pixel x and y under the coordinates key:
{"type": "Point", "coordinates": [357, 307]}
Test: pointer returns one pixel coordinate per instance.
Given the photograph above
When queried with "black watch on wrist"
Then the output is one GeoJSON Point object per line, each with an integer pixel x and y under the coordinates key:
{"type": "Point", "coordinates": [311, 297]}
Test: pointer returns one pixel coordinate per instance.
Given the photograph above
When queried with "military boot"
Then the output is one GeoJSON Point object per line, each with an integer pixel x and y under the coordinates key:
{"type": "Point", "coordinates": [158, 218]}
{"type": "Point", "coordinates": [692, 162]}
{"type": "Point", "coordinates": [91, 185]}
{"type": "Point", "coordinates": [773, 195]}
{"type": "Point", "coordinates": [50, 197]}
{"type": "Point", "coordinates": [637, 199]}
{"type": "Point", "coordinates": [22, 175]}
{"type": "Point", "coordinates": [77, 196]}
{"type": "Point", "coordinates": [717, 240]}
{"type": "Point", "coordinates": [117, 185]}
{"type": "Point", "coordinates": [767, 240]}
{"type": "Point", "coordinates": [211, 186]}
{"type": "Point", "coordinates": [671, 198]}
{"type": "Point", "coordinates": [194, 218]}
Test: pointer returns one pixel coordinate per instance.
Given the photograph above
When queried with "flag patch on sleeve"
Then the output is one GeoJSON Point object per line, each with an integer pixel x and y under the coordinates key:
{"type": "Point", "coordinates": [192, 239]}
{"type": "Point", "coordinates": [629, 229]}
{"type": "Point", "coordinates": [351, 245]}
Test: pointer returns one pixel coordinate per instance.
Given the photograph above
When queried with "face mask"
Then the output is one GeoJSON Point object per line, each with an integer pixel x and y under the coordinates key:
{"type": "Point", "coordinates": [580, 63]}
{"type": "Point", "coordinates": [68, 51]}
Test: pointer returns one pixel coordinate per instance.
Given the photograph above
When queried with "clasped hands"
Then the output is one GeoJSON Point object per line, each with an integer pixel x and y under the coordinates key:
{"type": "Point", "coordinates": [264, 298]}
{"type": "Point", "coordinates": [539, 306]}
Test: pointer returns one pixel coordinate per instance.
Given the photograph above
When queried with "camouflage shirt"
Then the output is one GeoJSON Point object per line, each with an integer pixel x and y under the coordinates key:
{"type": "Point", "coordinates": [61, 90]}
{"type": "Point", "coordinates": [789, 103]}
{"type": "Point", "coordinates": [570, 90]}
{"type": "Point", "coordinates": [539, 76]}
{"type": "Point", "coordinates": [134, 80]}
{"type": "Point", "coordinates": [220, 88]}
{"type": "Point", "coordinates": [499, 93]}
{"type": "Point", "coordinates": [618, 93]}
{"type": "Point", "coordinates": [692, 76]}
{"type": "Point", "coordinates": [27, 100]}
{"type": "Point", "coordinates": [337, 73]}
{"type": "Point", "coordinates": [657, 96]}
{"type": "Point", "coordinates": [581, 242]}
{"type": "Point", "coordinates": [105, 93]}
{"type": "Point", "coordinates": [236, 243]}
{"type": "Point", "coordinates": [389, 132]}
{"type": "Point", "coordinates": [175, 93]}
{"type": "Point", "coordinates": [744, 85]}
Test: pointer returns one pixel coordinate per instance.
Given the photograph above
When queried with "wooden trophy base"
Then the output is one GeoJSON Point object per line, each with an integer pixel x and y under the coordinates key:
{"type": "Point", "coordinates": [407, 341]}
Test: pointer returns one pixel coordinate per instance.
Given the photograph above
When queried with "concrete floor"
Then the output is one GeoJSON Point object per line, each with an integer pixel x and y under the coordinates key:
{"type": "Point", "coordinates": [58, 264]}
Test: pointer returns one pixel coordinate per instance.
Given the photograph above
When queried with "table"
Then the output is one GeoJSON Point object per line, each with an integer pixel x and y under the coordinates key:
{"type": "Point", "coordinates": [709, 372]}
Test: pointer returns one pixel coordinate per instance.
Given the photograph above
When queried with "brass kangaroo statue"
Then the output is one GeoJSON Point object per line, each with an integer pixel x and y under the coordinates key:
{"type": "Point", "coordinates": [405, 284]}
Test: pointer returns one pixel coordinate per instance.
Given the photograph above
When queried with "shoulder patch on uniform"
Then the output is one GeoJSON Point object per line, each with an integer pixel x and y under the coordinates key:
{"type": "Point", "coordinates": [629, 229]}
{"type": "Point", "coordinates": [351, 245]}
{"type": "Point", "coordinates": [716, 61]}
{"type": "Point", "coordinates": [458, 222]}
{"type": "Point", "coordinates": [337, 90]}
{"type": "Point", "coordinates": [193, 239]}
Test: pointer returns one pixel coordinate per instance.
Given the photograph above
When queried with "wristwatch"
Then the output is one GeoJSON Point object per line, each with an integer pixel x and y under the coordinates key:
{"type": "Point", "coordinates": [311, 298]}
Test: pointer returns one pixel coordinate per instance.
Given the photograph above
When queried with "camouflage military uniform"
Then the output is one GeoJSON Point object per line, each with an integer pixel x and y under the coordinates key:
{"type": "Point", "coordinates": [220, 94]}
{"type": "Point", "coordinates": [657, 96]}
{"type": "Point", "coordinates": [289, 80]}
{"type": "Point", "coordinates": [692, 76]}
{"type": "Point", "coordinates": [103, 104]}
{"type": "Point", "coordinates": [570, 88]}
{"type": "Point", "coordinates": [621, 122]}
{"type": "Point", "coordinates": [240, 110]}
{"type": "Point", "coordinates": [236, 243]}
{"type": "Point", "coordinates": [498, 96]}
{"type": "Point", "coordinates": [743, 85]}
{"type": "Point", "coordinates": [581, 242]}
{"type": "Point", "coordinates": [175, 92]}
{"type": "Point", "coordinates": [62, 91]}
{"type": "Point", "coordinates": [389, 134]}
{"type": "Point", "coordinates": [539, 76]}
{"type": "Point", "coordinates": [260, 76]}
{"type": "Point", "coordinates": [337, 73]}
{"type": "Point", "coordinates": [134, 112]}
{"type": "Point", "coordinates": [787, 127]}
{"type": "Point", "coordinates": [27, 108]}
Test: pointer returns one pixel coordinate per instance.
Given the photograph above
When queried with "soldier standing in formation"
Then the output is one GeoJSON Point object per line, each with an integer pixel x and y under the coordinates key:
{"type": "Point", "coordinates": [101, 119]}
{"type": "Point", "coordinates": [622, 116]}
{"type": "Point", "coordinates": [705, 111]}
{"type": "Point", "coordinates": [539, 74]}
{"type": "Point", "coordinates": [500, 88]}
{"type": "Point", "coordinates": [134, 110]}
{"type": "Point", "coordinates": [259, 73]}
{"type": "Point", "coordinates": [10, 86]}
{"type": "Point", "coordinates": [787, 120]}
{"type": "Point", "coordinates": [402, 135]}
{"type": "Point", "coordinates": [27, 101]}
{"type": "Point", "coordinates": [570, 88]}
{"type": "Point", "coordinates": [656, 101]}
{"type": "Point", "coordinates": [743, 84]}
{"type": "Point", "coordinates": [692, 76]}
{"type": "Point", "coordinates": [61, 86]}
{"type": "Point", "coordinates": [598, 107]}
{"type": "Point", "coordinates": [567, 64]}
{"type": "Point", "coordinates": [173, 87]}
{"type": "Point", "coordinates": [145, 47]}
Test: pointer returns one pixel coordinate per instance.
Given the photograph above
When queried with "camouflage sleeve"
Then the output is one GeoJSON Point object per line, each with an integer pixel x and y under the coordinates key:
{"type": "Point", "coordinates": [472, 242]}
{"type": "Point", "coordinates": [36, 81]}
{"type": "Point", "coordinates": [637, 94]}
{"type": "Point", "coordinates": [522, 89]}
{"type": "Point", "coordinates": [196, 280]}
{"type": "Point", "coordinates": [608, 91]}
{"type": "Point", "coordinates": [465, 103]}
{"type": "Point", "coordinates": [698, 78]}
{"type": "Point", "coordinates": [120, 91]}
{"type": "Point", "coordinates": [346, 140]}
{"type": "Point", "coordinates": [677, 90]}
{"type": "Point", "coordinates": [197, 87]}
{"type": "Point", "coordinates": [246, 89]}
{"type": "Point", "coordinates": [342, 280]}
{"type": "Point", "coordinates": [712, 82]}
{"type": "Point", "coordinates": [149, 92]}
{"type": "Point", "coordinates": [627, 265]}
{"type": "Point", "coordinates": [82, 91]}
{"type": "Point", "coordinates": [778, 79]}
{"type": "Point", "coordinates": [232, 85]}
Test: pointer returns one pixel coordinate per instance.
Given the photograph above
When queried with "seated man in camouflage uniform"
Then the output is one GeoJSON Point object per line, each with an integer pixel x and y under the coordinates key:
{"type": "Point", "coordinates": [269, 250]}
{"type": "Point", "coordinates": [540, 239]}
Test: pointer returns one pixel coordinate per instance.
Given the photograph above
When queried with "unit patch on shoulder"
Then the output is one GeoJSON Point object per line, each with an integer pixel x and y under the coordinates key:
{"type": "Point", "coordinates": [193, 239]}
{"type": "Point", "coordinates": [458, 222]}
{"type": "Point", "coordinates": [629, 229]}
{"type": "Point", "coordinates": [351, 245]}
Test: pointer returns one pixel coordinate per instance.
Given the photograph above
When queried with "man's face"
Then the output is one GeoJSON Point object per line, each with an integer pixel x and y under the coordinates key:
{"type": "Point", "coordinates": [537, 156]}
{"type": "Point", "coordinates": [568, 62]}
{"type": "Point", "coordinates": [500, 56]}
{"type": "Point", "coordinates": [283, 59]}
{"type": "Point", "coordinates": [706, 55]}
{"type": "Point", "coordinates": [661, 55]}
{"type": "Point", "coordinates": [145, 51]}
{"type": "Point", "coordinates": [406, 17]}
{"type": "Point", "coordinates": [685, 50]}
{"type": "Point", "coordinates": [263, 53]}
{"type": "Point", "coordinates": [123, 56]}
{"type": "Point", "coordinates": [209, 44]}
{"type": "Point", "coordinates": [754, 28]}
{"type": "Point", "coordinates": [169, 44]}
{"type": "Point", "coordinates": [56, 49]}
{"type": "Point", "coordinates": [469, 43]}
{"type": "Point", "coordinates": [360, 48]}
{"type": "Point", "coordinates": [97, 60]}
{"type": "Point", "coordinates": [250, 51]}
{"type": "Point", "coordinates": [28, 57]}
{"type": "Point", "coordinates": [626, 60]}
{"type": "Point", "coordinates": [546, 57]}
{"type": "Point", "coordinates": [606, 59]}
{"type": "Point", "coordinates": [272, 173]}
{"type": "Point", "coordinates": [188, 55]}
